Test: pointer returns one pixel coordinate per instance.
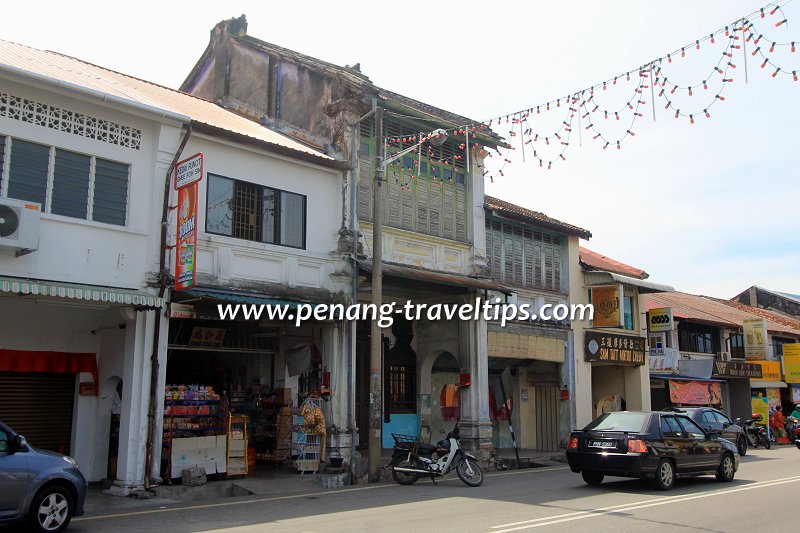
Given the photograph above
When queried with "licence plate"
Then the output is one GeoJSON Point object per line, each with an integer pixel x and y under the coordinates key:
{"type": "Point", "coordinates": [605, 444]}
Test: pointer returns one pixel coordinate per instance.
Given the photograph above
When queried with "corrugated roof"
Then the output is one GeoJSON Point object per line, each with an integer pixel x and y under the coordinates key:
{"type": "Point", "coordinates": [431, 276]}
{"type": "Point", "coordinates": [596, 261]}
{"type": "Point", "coordinates": [65, 69]}
{"type": "Point", "coordinates": [706, 309]}
{"type": "Point", "coordinates": [776, 317]}
{"type": "Point", "coordinates": [534, 217]}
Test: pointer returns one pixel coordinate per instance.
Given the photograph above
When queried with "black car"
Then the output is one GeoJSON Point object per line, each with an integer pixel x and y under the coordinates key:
{"type": "Point", "coordinates": [712, 420]}
{"type": "Point", "coordinates": [659, 446]}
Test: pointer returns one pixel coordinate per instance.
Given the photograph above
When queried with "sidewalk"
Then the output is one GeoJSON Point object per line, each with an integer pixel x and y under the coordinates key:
{"type": "Point", "coordinates": [269, 481]}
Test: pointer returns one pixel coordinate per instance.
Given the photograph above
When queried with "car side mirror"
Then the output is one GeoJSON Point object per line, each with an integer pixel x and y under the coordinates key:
{"type": "Point", "coordinates": [20, 444]}
{"type": "Point", "coordinates": [714, 433]}
{"type": "Point", "coordinates": [726, 424]}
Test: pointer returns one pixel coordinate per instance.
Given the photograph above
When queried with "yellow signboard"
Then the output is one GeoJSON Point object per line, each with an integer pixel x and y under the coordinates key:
{"type": "Point", "coordinates": [660, 319]}
{"type": "Point", "coordinates": [606, 302]}
{"type": "Point", "coordinates": [759, 405]}
{"type": "Point", "coordinates": [770, 371]}
{"type": "Point", "coordinates": [755, 338]}
{"type": "Point", "coordinates": [791, 362]}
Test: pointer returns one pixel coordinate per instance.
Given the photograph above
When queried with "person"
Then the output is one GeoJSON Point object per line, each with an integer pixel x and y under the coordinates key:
{"type": "Point", "coordinates": [796, 412]}
{"type": "Point", "coordinates": [779, 423]}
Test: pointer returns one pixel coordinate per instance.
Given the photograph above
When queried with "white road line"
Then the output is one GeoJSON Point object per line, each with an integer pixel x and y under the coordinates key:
{"type": "Point", "coordinates": [289, 497]}
{"type": "Point", "coordinates": [591, 513]}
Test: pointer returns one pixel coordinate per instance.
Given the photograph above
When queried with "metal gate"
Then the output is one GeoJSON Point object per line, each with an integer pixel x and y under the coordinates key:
{"type": "Point", "coordinates": [547, 430]}
{"type": "Point", "coordinates": [39, 406]}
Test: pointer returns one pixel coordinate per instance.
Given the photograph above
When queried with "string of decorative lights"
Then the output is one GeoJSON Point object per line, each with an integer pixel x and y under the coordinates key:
{"type": "Point", "coordinates": [521, 123]}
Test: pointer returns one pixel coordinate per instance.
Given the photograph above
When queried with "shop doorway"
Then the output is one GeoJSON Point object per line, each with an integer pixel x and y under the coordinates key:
{"type": "Point", "coordinates": [39, 406]}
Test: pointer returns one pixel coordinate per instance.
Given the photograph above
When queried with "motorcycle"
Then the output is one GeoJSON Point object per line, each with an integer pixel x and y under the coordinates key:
{"type": "Point", "coordinates": [412, 460]}
{"type": "Point", "coordinates": [793, 428]}
{"type": "Point", "coordinates": [756, 435]}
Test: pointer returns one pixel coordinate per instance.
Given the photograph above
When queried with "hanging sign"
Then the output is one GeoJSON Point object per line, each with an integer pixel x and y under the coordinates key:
{"type": "Point", "coordinates": [663, 359]}
{"type": "Point", "coordinates": [660, 319]}
{"type": "Point", "coordinates": [694, 392]}
{"type": "Point", "coordinates": [755, 338]}
{"type": "Point", "coordinates": [186, 245]}
{"type": "Point", "coordinates": [617, 349]}
{"type": "Point", "coordinates": [189, 171]}
{"type": "Point", "coordinates": [770, 371]}
{"type": "Point", "coordinates": [606, 302]}
{"type": "Point", "coordinates": [791, 362]}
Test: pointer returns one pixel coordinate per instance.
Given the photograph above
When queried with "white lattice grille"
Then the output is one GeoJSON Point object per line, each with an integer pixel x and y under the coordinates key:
{"type": "Point", "coordinates": [17, 108]}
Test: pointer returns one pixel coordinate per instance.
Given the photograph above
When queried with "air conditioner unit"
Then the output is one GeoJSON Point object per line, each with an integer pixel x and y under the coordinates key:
{"type": "Point", "coordinates": [19, 225]}
{"type": "Point", "coordinates": [724, 356]}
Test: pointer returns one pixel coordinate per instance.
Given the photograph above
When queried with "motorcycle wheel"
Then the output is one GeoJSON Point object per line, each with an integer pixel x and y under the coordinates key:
{"type": "Point", "coordinates": [754, 442]}
{"type": "Point", "coordinates": [469, 472]}
{"type": "Point", "coordinates": [765, 442]}
{"type": "Point", "coordinates": [401, 477]}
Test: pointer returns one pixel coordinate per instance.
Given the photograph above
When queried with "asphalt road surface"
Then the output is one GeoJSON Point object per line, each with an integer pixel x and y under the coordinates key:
{"type": "Point", "coordinates": [763, 497]}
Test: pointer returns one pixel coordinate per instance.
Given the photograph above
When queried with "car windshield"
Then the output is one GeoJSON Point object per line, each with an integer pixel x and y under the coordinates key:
{"type": "Point", "coordinates": [620, 421]}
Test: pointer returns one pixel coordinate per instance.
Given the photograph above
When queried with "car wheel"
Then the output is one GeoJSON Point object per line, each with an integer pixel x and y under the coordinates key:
{"type": "Point", "coordinates": [726, 468]}
{"type": "Point", "coordinates": [51, 510]}
{"type": "Point", "coordinates": [592, 478]}
{"type": "Point", "coordinates": [665, 475]}
{"type": "Point", "coordinates": [741, 445]}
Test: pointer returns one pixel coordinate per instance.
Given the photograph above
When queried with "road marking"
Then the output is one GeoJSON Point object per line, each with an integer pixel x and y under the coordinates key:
{"type": "Point", "coordinates": [289, 497]}
{"type": "Point", "coordinates": [591, 513]}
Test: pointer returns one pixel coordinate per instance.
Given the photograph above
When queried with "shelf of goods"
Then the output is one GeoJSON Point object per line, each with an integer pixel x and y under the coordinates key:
{"type": "Point", "coordinates": [307, 438]}
{"type": "Point", "coordinates": [237, 445]}
{"type": "Point", "coordinates": [194, 430]}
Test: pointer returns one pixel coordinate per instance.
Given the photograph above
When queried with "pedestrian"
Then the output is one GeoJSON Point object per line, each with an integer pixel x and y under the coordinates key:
{"type": "Point", "coordinates": [778, 424]}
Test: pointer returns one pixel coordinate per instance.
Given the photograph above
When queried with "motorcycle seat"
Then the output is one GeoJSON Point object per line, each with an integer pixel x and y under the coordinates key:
{"type": "Point", "coordinates": [426, 449]}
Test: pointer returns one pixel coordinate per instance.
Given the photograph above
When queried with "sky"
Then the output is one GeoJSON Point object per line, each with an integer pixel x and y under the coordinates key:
{"type": "Point", "coordinates": [709, 208]}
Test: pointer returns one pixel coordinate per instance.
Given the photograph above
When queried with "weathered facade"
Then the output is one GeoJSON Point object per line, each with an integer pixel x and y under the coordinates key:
{"type": "Point", "coordinates": [433, 208]}
{"type": "Point", "coordinates": [530, 253]}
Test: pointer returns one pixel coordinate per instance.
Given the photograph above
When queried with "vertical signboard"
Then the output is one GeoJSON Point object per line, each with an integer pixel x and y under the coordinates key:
{"type": "Point", "coordinates": [791, 362]}
{"type": "Point", "coordinates": [607, 303]}
{"type": "Point", "coordinates": [187, 175]}
{"type": "Point", "coordinates": [755, 338]}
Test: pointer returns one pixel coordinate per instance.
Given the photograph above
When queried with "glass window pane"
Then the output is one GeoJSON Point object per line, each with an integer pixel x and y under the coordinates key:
{"type": "Point", "coordinates": [447, 174]}
{"type": "Point", "coordinates": [219, 205]}
{"type": "Point", "coordinates": [71, 184]}
{"type": "Point", "coordinates": [110, 192]}
{"type": "Point", "coordinates": [628, 312]}
{"type": "Point", "coordinates": [292, 219]}
{"type": "Point", "coordinates": [692, 429]}
{"type": "Point", "coordinates": [28, 171]}
{"type": "Point", "coordinates": [268, 217]}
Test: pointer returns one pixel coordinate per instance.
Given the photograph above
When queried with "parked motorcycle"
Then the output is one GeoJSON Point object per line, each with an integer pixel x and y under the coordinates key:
{"type": "Point", "coordinates": [793, 428]}
{"type": "Point", "coordinates": [756, 435]}
{"type": "Point", "coordinates": [412, 460]}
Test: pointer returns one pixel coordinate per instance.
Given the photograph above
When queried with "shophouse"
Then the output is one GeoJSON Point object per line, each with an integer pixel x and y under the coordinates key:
{"type": "Point", "coordinates": [434, 230]}
{"type": "Point", "coordinates": [530, 253]}
{"type": "Point", "coordinates": [87, 154]}
{"type": "Point", "coordinates": [779, 302]}
{"type": "Point", "coordinates": [707, 358]}
{"type": "Point", "coordinates": [610, 351]}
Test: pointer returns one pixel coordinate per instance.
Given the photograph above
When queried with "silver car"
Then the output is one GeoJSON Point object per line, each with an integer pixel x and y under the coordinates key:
{"type": "Point", "coordinates": [42, 488]}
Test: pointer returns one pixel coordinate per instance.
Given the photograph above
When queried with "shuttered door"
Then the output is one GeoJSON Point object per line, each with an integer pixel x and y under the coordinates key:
{"type": "Point", "coordinates": [39, 407]}
{"type": "Point", "coordinates": [547, 432]}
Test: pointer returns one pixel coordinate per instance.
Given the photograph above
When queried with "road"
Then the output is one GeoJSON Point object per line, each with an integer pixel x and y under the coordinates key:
{"type": "Point", "coordinates": [761, 498]}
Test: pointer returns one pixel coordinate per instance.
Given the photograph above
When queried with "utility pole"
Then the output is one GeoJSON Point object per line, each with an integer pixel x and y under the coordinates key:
{"type": "Point", "coordinates": [376, 337]}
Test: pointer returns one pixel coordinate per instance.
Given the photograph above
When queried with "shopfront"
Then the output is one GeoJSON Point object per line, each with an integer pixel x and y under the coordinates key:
{"type": "Point", "coordinates": [525, 377]}
{"type": "Point", "coordinates": [234, 388]}
{"type": "Point", "coordinates": [617, 371]}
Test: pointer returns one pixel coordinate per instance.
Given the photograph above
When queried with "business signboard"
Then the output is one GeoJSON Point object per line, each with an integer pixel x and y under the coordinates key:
{"type": "Point", "coordinates": [755, 338]}
{"type": "Point", "coordinates": [607, 302]}
{"type": "Point", "coordinates": [660, 319]}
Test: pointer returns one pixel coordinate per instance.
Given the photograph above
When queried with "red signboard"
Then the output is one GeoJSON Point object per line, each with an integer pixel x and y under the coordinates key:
{"type": "Point", "coordinates": [186, 246]}
{"type": "Point", "coordinates": [695, 392]}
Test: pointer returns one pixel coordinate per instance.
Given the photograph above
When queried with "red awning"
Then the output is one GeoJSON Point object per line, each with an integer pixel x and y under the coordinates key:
{"type": "Point", "coordinates": [54, 362]}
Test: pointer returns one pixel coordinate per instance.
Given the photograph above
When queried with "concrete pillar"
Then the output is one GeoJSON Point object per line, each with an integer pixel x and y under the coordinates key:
{"type": "Point", "coordinates": [133, 419]}
{"type": "Point", "coordinates": [476, 427]}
